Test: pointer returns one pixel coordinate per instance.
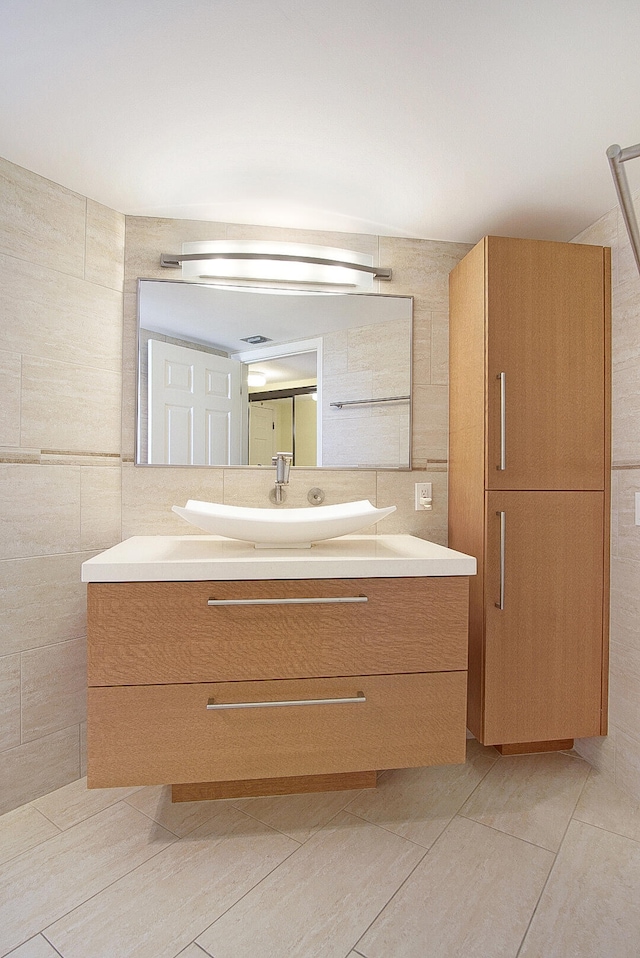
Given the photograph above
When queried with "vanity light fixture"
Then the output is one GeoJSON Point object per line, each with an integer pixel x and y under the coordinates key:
{"type": "Point", "coordinates": [250, 261]}
{"type": "Point", "coordinates": [256, 379]}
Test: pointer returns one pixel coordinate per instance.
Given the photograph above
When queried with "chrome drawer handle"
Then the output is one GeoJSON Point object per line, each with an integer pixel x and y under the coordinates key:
{"type": "Point", "coordinates": [503, 421]}
{"type": "Point", "coordinates": [318, 601]}
{"type": "Point", "coordinates": [357, 699]}
{"type": "Point", "coordinates": [503, 536]}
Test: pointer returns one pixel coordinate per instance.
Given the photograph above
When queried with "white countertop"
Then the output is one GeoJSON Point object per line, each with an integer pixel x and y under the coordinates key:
{"type": "Point", "coordinates": [191, 558]}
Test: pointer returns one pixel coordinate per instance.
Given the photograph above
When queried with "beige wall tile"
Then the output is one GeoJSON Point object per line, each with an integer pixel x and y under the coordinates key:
{"type": "Point", "coordinates": [44, 601]}
{"type": "Point", "coordinates": [250, 487]}
{"type": "Point", "coordinates": [148, 492]}
{"type": "Point", "coordinates": [529, 796]}
{"type": "Point", "coordinates": [589, 906]}
{"type": "Point", "coordinates": [100, 506]}
{"type": "Point", "coordinates": [9, 701]}
{"type": "Point", "coordinates": [472, 895]}
{"type": "Point", "coordinates": [421, 345]}
{"type": "Point", "coordinates": [31, 770]}
{"type": "Point", "coordinates": [193, 882]}
{"type": "Point", "coordinates": [146, 238]}
{"type": "Point", "coordinates": [54, 696]}
{"type": "Point", "coordinates": [421, 267]}
{"type": "Point", "coordinates": [39, 509]}
{"type": "Point", "coordinates": [624, 683]}
{"type": "Point", "coordinates": [74, 803]}
{"type": "Point", "coordinates": [604, 805]}
{"type": "Point", "coordinates": [398, 489]}
{"type": "Point", "coordinates": [625, 602]}
{"type": "Point", "coordinates": [614, 513]}
{"type": "Point", "coordinates": [625, 331]}
{"type": "Point", "coordinates": [22, 829]}
{"type": "Point", "coordinates": [77, 864]}
{"type": "Point", "coordinates": [59, 317]}
{"type": "Point", "coordinates": [419, 803]}
{"type": "Point", "coordinates": [71, 408]}
{"type": "Point", "coordinates": [627, 271]}
{"type": "Point", "coordinates": [41, 222]}
{"type": "Point", "coordinates": [604, 232]}
{"type": "Point", "coordinates": [321, 899]}
{"type": "Point", "coordinates": [628, 531]}
{"type": "Point", "coordinates": [628, 762]}
{"type": "Point", "coordinates": [440, 348]}
{"type": "Point", "coordinates": [430, 411]}
{"type": "Point", "coordinates": [104, 262]}
{"type": "Point", "coordinates": [625, 418]}
{"type": "Point", "coordinates": [10, 372]}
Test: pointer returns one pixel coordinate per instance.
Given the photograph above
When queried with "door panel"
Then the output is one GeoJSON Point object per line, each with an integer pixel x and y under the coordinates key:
{"type": "Point", "coordinates": [546, 336]}
{"type": "Point", "coordinates": [543, 649]}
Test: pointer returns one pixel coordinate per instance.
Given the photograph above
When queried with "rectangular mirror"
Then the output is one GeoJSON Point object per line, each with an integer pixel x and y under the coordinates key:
{"type": "Point", "coordinates": [231, 375]}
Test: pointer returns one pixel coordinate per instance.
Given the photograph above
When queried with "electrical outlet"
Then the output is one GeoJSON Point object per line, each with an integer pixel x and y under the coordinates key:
{"type": "Point", "coordinates": [423, 496]}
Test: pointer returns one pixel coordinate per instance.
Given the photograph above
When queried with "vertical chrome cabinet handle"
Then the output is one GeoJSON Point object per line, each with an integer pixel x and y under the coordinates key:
{"type": "Point", "coordinates": [503, 529]}
{"type": "Point", "coordinates": [503, 421]}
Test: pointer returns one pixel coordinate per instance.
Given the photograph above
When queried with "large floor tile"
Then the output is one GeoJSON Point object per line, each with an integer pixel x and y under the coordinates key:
{"type": "Point", "coordinates": [298, 816]}
{"type": "Point", "coordinates": [418, 803]}
{"type": "Point", "coordinates": [22, 829]}
{"type": "Point", "coordinates": [179, 817]}
{"type": "Point", "coordinates": [161, 906]}
{"type": "Point", "coordinates": [35, 948]}
{"type": "Point", "coordinates": [321, 899]}
{"type": "Point", "coordinates": [74, 803]}
{"type": "Point", "coordinates": [472, 896]}
{"type": "Point", "coordinates": [589, 908]}
{"type": "Point", "coordinates": [530, 796]}
{"type": "Point", "coordinates": [45, 883]}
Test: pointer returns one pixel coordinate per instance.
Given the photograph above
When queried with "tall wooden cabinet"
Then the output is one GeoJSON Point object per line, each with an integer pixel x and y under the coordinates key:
{"type": "Point", "coordinates": [529, 467]}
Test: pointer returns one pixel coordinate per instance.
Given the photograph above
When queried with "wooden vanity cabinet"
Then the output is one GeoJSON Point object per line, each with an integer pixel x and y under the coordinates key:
{"type": "Point", "coordinates": [392, 664]}
{"type": "Point", "coordinates": [529, 485]}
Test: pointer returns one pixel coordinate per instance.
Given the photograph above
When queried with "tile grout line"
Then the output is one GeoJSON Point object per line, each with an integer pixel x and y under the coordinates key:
{"type": "Point", "coordinates": [494, 828]}
{"type": "Point", "coordinates": [42, 935]}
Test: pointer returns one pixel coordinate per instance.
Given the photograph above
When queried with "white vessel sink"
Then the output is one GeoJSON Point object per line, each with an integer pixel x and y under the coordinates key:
{"type": "Point", "coordinates": [281, 528]}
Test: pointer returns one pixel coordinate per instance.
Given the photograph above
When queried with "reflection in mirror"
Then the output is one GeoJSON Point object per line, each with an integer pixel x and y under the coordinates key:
{"type": "Point", "coordinates": [231, 375]}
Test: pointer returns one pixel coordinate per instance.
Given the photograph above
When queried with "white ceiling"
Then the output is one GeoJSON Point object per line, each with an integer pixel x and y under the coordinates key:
{"type": "Point", "coordinates": [442, 119]}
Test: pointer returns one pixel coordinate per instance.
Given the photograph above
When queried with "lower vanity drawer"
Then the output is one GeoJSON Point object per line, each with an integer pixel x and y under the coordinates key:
{"type": "Point", "coordinates": [148, 735]}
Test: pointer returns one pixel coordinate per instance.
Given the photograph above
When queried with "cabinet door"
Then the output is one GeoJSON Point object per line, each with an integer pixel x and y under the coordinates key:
{"type": "Point", "coordinates": [544, 648]}
{"type": "Point", "coordinates": [546, 327]}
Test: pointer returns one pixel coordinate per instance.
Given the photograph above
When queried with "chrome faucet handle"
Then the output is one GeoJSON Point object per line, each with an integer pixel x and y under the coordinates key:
{"type": "Point", "coordinates": [282, 461]}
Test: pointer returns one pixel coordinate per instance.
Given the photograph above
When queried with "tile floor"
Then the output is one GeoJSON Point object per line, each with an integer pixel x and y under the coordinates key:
{"type": "Point", "coordinates": [534, 856]}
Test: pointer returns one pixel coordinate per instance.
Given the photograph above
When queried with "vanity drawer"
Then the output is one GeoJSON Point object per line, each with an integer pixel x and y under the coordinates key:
{"type": "Point", "coordinates": [150, 735]}
{"type": "Point", "coordinates": [166, 632]}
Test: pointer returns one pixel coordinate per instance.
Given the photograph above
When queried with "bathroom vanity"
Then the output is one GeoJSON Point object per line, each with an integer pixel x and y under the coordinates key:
{"type": "Point", "coordinates": [225, 671]}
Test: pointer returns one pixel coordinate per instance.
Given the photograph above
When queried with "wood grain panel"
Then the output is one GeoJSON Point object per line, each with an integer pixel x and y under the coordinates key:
{"type": "Point", "coordinates": [150, 735]}
{"type": "Point", "coordinates": [164, 632]}
{"type": "Point", "coordinates": [543, 665]}
{"type": "Point", "coordinates": [293, 785]}
{"type": "Point", "coordinates": [546, 332]}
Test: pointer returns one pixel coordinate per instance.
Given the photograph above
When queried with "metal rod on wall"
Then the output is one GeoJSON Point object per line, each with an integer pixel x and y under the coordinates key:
{"type": "Point", "coordinates": [617, 156]}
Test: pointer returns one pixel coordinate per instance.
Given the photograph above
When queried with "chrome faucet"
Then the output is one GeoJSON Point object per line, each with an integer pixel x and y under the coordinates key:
{"type": "Point", "coordinates": [282, 462]}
